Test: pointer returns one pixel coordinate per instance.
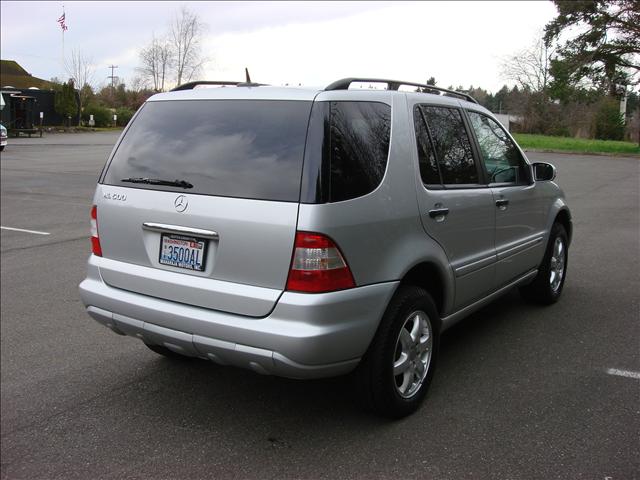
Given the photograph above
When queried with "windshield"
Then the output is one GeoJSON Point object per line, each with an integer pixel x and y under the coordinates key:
{"type": "Point", "coordinates": [232, 148]}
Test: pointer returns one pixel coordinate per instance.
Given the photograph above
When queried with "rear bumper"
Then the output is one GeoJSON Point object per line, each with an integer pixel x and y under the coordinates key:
{"type": "Point", "coordinates": [305, 336]}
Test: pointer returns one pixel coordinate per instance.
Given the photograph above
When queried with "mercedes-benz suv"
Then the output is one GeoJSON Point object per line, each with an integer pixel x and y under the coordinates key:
{"type": "Point", "coordinates": [309, 233]}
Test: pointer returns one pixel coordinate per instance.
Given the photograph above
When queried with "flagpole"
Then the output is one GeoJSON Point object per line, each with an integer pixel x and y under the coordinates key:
{"type": "Point", "coordinates": [63, 27]}
{"type": "Point", "coordinates": [63, 69]}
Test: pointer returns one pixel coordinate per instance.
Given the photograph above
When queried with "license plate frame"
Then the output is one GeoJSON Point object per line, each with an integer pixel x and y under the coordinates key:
{"type": "Point", "coordinates": [177, 240]}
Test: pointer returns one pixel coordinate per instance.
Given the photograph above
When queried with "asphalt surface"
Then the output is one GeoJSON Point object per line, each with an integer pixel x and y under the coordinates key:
{"type": "Point", "coordinates": [520, 392]}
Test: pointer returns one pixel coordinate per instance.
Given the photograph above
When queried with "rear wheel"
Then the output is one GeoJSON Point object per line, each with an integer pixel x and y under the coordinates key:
{"type": "Point", "coordinates": [546, 288]}
{"type": "Point", "coordinates": [394, 376]}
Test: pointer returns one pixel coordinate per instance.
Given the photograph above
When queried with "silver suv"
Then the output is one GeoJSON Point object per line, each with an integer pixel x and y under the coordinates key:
{"type": "Point", "coordinates": [307, 233]}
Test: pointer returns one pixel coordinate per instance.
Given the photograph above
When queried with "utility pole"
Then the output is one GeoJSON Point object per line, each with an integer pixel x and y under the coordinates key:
{"type": "Point", "coordinates": [623, 103]}
{"type": "Point", "coordinates": [113, 77]}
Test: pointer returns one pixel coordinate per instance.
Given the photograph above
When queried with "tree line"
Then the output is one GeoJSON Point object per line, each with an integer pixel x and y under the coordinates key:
{"type": "Point", "coordinates": [575, 79]}
{"type": "Point", "coordinates": [569, 82]}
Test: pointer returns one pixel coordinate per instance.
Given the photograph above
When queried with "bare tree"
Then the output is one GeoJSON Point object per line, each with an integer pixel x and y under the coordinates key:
{"type": "Point", "coordinates": [186, 33]}
{"type": "Point", "coordinates": [138, 84]}
{"type": "Point", "coordinates": [529, 68]}
{"type": "Point", "coordinates": [157, 59]}
{"type": "Point", "coordinates": [81, 70]}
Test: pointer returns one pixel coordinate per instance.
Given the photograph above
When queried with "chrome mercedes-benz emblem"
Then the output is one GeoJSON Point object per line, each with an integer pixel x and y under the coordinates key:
{"type": "Point", "coordinates": [181, 203]}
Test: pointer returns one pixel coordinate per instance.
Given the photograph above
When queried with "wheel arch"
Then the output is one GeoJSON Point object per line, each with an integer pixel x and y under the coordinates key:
{"type": "Point", "coordinates": [429, 276]}
{"type": "Point", "coordinates": [563, 217]}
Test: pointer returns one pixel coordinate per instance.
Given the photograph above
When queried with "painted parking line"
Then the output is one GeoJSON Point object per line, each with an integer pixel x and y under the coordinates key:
{"type": "Point", "coordinates": [624, 373]}
{"type": "Point", "coordinates": [35, 232]}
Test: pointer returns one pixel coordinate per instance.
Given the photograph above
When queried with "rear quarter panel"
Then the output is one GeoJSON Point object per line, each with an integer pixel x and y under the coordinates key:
{"type": "Point", "coordinates": [380, 234]}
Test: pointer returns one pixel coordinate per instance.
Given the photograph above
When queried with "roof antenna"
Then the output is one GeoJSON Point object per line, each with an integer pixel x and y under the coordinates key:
{"type": "Point", "coordinates": [246, 73]}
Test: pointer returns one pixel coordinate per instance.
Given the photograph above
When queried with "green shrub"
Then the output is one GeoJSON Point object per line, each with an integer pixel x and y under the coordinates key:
{"type": "Point", "coordinates": [102, 116]}
{"type": "Point", "coordinates": [124, 115]}
{"type": "Point", "coordinates": [65, 101]}
{"type": "Point", "coordinates": [608, 121]}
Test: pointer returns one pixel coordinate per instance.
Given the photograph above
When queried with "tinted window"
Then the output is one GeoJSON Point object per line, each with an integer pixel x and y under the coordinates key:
{"type": "Point", "coordinates": [426, 158]}
{"type": "Point", "coordinates": [359, 147]}
{"type": "Point", "coordinates": [451, 144]}
{"type": "Point", "coordinates": [317, 156]}
{"type": "Point", "coordinates": [501, 157]}
{"type": "Point", "coordinates": [248, 149]}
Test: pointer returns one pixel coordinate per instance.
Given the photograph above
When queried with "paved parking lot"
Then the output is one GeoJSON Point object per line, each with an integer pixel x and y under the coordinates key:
{"type": "Point", "coordinates": [520, 392]}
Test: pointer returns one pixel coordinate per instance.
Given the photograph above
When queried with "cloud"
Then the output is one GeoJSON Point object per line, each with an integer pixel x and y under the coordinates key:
{"type": "Point", "coordinates": [312, 43]}
{"type": "Point", "coordinates": [407, 41]}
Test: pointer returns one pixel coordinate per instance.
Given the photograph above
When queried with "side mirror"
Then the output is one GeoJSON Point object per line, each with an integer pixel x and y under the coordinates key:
{"type": "Point", "coordinates": [544, 172]}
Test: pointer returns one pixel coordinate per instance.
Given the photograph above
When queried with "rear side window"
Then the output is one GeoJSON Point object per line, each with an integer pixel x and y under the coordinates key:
{"type": "Point", "coordinates": [451, 144]}
{"type": "Point", "coordinates": [347, 150]}
{"type": "Point", "coordinates": [359, 147]}
{"type": "Point", "coordinates": [233, 148]}
{"type": "Point", "coordinates": [429, 171]}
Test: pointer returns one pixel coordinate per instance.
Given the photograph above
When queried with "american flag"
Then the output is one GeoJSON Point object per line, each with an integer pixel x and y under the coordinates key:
{"type": "Point", "coordinates": [61, 22]}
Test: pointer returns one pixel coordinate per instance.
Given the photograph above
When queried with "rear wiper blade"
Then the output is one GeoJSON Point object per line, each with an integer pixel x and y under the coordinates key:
{"type": "Point", "coordinates": [158, 181]}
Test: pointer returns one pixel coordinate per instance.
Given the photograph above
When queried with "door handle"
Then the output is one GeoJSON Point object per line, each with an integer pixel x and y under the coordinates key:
{"type": "Point", "coordinates": [502, 203]}
{"type": "Point", "coordinates": [438, 212]}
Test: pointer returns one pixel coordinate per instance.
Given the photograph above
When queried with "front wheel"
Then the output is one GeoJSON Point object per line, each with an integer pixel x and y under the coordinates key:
{"type": "Point", "coordinates": [547, 286]}
{"type": "Point", "coordinates": [394, 375]}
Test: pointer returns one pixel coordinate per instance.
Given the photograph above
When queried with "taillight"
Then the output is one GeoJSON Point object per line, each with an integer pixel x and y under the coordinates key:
{"type": "Point", "coordinates": [95, 239]}
{"type": "Point", "coordinates": [317, 265]}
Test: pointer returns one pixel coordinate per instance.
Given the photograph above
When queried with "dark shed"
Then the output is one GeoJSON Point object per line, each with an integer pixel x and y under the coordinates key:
{"type": "Point", "coordinates": [25, 96]}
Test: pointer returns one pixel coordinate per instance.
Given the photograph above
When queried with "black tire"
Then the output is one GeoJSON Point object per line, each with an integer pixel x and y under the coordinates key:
{"type": "Point", "coordinates": [377, 386]}
{"type": "Point", "coordinates": [541, 290]}
{"type": "Point", "coordinates": [2, 148]}
{"type": "Point", "coordinates": [165, 352]}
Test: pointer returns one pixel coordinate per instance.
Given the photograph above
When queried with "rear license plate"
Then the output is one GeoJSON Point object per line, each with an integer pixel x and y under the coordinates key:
{"type": "Point", "coordinates": [183, 252]}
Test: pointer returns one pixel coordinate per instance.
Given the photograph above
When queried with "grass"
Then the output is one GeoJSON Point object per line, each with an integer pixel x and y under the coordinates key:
{"type": "Point", "coordinates": [582, 145]}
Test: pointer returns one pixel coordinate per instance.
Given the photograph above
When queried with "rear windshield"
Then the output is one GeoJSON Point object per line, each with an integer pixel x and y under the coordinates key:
{"type": "Point", "coordinates": [232, 148]}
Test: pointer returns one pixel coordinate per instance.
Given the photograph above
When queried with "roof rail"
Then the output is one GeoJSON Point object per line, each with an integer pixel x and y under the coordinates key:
{"type": "Point", "coordinates": [344, 83]}
{"type": "Point", "coordinates": [192, 85]}
{"type": "Point", "coordinates": [246, 83]}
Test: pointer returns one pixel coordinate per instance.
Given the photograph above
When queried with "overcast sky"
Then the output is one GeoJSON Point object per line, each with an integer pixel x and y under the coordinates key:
{"type": "Point", "coordinates": [311, 43]}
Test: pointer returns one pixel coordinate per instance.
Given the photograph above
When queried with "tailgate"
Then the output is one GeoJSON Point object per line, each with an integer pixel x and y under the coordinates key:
{"type": "Point", "coordinates": [245, 268]}
{"type": "Point", "coordinates": [206, 216]}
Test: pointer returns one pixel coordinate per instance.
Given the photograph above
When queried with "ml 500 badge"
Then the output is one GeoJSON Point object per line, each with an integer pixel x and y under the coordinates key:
{"type": "Point", "coordinates": [115, 196]}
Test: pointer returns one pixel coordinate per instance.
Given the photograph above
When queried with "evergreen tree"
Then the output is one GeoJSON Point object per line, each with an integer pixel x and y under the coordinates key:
{"type": "Point", "coordinates": [607, 44]}
{"type": "Point", "coordinates": [65, 101]}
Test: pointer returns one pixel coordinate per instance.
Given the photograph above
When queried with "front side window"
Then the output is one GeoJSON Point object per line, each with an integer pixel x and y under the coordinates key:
{"type": "Point", "coordinates": [502, 160]}
{"type": "Point", "coordinates": [451, 144]}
